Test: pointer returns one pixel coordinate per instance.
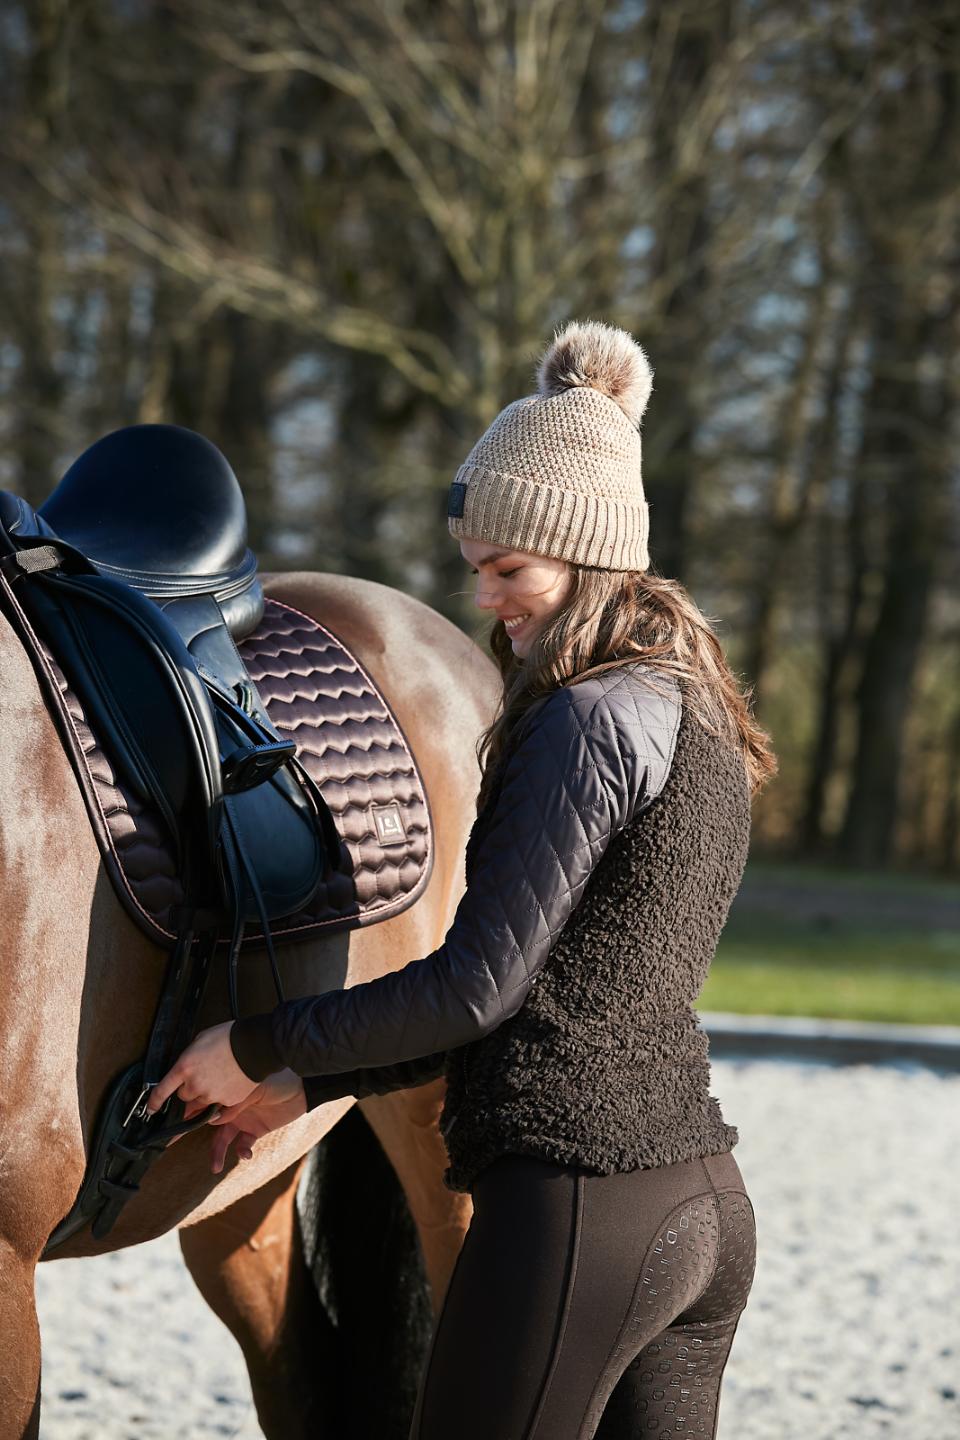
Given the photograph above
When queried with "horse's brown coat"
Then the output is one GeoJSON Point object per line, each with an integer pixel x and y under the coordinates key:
{"type": "Point", "coordinates": [78, 985]}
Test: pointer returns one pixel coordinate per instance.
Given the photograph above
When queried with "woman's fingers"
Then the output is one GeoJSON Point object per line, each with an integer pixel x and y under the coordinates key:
{"type": "Point", "coordinates": [205, 1071]}
{"type": "Point", "coordinates": [228, 1113]}
{"type": "Point", "coordinates": [223, 1137]}
{"type": "Point", "coordinates": [172, 1081]}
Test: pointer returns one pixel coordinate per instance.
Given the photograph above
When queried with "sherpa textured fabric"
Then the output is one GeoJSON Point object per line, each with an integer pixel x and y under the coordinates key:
{"type": "Point", "coordinates": [599, 877]}
{"type": "Point", "coordinates": [606, 1065]}
{"type": "Point", "coordinates": [558, 473]}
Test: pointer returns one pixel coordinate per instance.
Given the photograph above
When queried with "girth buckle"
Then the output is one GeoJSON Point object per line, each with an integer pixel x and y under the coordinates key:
{"type": "Point", "coordinates": [138, 1109]}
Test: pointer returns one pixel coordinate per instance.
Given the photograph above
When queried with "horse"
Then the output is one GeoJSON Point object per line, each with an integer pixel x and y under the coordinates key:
{"type": "Point", "coordinates": [80, 985]}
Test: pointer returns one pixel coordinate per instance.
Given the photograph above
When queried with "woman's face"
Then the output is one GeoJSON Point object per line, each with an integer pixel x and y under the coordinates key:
{"type": "Point", "coordinates": [523, 590]}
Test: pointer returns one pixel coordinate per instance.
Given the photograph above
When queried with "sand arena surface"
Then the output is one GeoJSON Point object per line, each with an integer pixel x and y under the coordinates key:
{"type": "Point", "coordinates": [852, 1331]}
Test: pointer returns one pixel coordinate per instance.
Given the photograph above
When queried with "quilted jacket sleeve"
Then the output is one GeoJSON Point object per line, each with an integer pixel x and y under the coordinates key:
{"type": "Point", "coordinates": [374, 1079]}
{"type": "Point", "coordinates": [594, 755]}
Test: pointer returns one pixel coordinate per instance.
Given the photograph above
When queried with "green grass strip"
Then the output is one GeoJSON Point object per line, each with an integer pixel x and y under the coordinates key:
{"type": "Point", "coordinates": [858, 982]}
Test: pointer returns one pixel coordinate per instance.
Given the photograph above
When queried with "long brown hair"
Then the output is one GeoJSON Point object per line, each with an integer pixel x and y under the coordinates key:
{"type": "Point", "coordinates": [614, 617]}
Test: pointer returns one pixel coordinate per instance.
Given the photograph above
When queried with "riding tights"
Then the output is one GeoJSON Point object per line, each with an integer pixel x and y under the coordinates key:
{"type": "Point", "coordinates": [587, 1305]}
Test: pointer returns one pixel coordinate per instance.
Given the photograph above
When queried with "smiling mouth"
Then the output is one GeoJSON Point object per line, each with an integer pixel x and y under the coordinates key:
{"type": "Point", "coordinates": [515, 623]}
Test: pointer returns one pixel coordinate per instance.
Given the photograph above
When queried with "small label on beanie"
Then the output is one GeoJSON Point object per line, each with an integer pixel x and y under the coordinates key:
{"type": "Point", "coordinates": [457, 500]}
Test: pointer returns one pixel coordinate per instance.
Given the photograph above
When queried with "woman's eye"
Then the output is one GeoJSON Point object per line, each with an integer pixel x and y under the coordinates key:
{"type": "Point", "coordinates": [506, 574]}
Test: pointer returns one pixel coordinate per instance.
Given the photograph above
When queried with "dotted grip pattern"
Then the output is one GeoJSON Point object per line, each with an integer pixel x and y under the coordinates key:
{"type": "Point", "coordinates": [702, 1262]}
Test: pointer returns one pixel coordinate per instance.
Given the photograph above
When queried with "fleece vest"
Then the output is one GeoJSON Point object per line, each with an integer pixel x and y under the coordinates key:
{"type": "Point", "coordinates": [605, 1065]}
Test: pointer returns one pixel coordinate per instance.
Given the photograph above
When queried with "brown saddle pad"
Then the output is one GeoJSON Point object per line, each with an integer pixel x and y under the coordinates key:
{"type": "Point", "coordinates": [316, 691]}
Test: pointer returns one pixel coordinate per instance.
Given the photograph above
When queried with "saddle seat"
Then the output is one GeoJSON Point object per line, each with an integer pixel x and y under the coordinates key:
{"type": "Point", "coordinates": [158, 507]}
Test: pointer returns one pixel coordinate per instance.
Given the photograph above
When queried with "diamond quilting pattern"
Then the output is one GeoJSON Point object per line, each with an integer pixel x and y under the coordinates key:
{"type": "Point", "coordinates": [553, 809]}
{"type": "Point", "coordinates": [349, 741]}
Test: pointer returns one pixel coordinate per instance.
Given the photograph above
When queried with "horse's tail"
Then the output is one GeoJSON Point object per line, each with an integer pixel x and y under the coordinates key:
{"type": "Point", "coordinates": [361, 1245]}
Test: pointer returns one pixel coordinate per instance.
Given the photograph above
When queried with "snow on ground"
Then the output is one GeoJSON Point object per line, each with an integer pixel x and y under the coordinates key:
{"type": "Point", "coordinates": [852, 1331]}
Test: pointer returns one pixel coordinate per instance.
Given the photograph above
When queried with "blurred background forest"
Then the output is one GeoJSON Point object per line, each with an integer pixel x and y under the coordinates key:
{"type": "Point", "coordinates": [334, 239]}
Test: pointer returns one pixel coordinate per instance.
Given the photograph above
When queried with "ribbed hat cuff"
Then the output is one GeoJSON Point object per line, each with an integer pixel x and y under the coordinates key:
{"type": "Point", "coordinates": [565, 524]}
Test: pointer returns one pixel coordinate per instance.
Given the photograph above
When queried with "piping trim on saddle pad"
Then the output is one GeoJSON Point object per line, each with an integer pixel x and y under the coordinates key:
{"type": "Point", "coordinates": [348, 739]}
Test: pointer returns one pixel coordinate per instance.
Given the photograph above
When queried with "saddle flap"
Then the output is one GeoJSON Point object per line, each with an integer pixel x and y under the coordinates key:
{"type": "Point", "coordinates": [281, 848]}
{"type": "Point", "coordinates": [137, 682]}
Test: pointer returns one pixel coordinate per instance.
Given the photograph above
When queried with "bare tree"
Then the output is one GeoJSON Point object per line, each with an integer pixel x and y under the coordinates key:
{"type": "Point", "coordinates": [334, 239]}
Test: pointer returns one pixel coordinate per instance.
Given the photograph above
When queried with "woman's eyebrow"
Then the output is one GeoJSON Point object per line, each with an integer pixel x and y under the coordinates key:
{"type": "Point", "coordinates": [492, 558]}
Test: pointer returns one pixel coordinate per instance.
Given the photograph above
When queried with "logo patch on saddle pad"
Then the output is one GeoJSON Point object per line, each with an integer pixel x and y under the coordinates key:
{"type": "Point", "coordinates": [390, 829]}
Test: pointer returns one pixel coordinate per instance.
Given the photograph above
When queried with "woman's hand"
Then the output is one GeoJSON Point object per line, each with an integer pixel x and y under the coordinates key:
{"type": "Point", "coordinates": [274, 1103]}
{"type": "Point", "coordinates": [205, 1074]}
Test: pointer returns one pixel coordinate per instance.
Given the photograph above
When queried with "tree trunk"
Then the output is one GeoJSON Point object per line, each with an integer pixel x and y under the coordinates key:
{"type": "Point", "coordinates": [915, 468]}
{"type": "Point", "coordinates": [684, 46]}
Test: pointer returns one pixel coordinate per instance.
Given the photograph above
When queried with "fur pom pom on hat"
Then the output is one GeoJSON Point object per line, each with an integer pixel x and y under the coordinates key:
{"type": "Point", "coordinates": [598, 357]}
{"type": "Point", "coordinates": [558, 473]}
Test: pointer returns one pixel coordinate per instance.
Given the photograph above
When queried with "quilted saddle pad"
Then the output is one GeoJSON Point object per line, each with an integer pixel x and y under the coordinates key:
{"type": "Point", "coordinates": [315, 690]}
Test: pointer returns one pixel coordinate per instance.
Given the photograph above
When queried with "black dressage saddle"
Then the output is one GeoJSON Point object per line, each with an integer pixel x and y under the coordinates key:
{"type": "Point", "coordinates": [159, 507]}
{"type": "Point", "coordinates": [136, 575]}
{"type": "Point", "coordinates": [137, 572]}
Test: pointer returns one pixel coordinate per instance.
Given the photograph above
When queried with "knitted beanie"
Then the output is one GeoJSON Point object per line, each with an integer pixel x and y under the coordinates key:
{"type": "Point", "coordinates": [558, 473]}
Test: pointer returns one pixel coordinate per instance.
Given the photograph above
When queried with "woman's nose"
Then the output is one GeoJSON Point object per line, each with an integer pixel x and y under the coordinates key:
{"type": "Point", "coordinates": [486, 599]}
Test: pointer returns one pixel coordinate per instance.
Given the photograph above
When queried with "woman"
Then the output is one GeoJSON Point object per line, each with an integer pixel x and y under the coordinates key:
{"type": "Point", "coordinates": [611, 1249]}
